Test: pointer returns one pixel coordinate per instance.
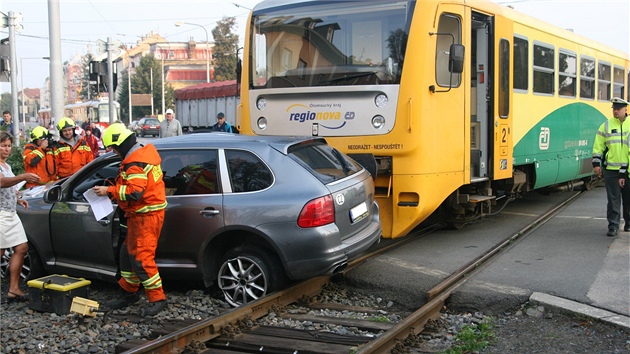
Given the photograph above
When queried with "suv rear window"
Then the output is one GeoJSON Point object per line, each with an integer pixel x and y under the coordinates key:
{"type": "Point", "coordinates": [324, 161]}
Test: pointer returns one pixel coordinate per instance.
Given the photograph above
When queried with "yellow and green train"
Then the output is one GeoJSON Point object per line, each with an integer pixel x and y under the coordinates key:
{"type": "Point", "coordinates": [453, 104]}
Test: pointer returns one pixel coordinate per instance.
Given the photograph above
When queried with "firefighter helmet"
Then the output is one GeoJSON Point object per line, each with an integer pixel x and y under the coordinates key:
{"type": "Point", "coordinates": [64, 123]}
{"type": "Point", "coordinates": [39, 133]}
{"type": "Point", "coordinates": [115, 134]}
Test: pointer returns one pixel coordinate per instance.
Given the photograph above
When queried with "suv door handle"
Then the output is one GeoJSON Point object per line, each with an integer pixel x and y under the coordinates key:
{"type": "Point", "coordinates": [208, 213]}
{"type": "Point", "coordinates": [104, 222]}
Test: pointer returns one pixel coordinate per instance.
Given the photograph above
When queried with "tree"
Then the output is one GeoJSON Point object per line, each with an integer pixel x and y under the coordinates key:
{"type": "Point", "coordinates": [141, 83]}
{"type": "Point", "coordinates": [5, 102]}
{"type": "Point", "coordinates": [123, 96]}
{"type": "Point", "coordinates": [225, 46]}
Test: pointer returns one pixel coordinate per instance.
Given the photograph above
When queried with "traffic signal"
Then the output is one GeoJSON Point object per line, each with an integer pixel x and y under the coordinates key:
{"type": "Point", "coordinates": [5, 56]}
{"type": "Point", "coordinates": [99, 72]}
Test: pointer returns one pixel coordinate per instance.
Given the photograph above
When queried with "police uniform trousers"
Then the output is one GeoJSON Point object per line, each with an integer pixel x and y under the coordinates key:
{"type": "Point", "coordinates": [616, 196]}
{"type": "Point", "coordinates": [137, 259]}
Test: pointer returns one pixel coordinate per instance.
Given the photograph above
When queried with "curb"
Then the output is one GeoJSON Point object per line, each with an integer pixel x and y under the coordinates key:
{"type": "Point", "coordinates": [581, 309]}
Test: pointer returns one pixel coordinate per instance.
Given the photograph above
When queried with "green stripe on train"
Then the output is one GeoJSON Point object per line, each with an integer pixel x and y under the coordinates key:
{"type": "Point", "coordinates": [560, 146]}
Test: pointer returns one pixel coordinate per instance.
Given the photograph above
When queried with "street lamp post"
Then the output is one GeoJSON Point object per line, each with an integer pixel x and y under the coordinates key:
{"type": "Point", "coordinates": [22, 84]}
{"type": "Point", "coordinates": [129, 79]}
{"type": "Point", "coordinates": [163, 78]}
{"type": "Point", "coordinates": [179, 23]}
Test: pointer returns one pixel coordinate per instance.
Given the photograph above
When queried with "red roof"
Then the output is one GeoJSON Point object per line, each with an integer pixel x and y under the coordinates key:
{"type": "Point", "coordinates": [207, 90]}
{"type": "Point", "coordinates": [186, 75]}
{"type": "Point", "coordinates": [31, 93]}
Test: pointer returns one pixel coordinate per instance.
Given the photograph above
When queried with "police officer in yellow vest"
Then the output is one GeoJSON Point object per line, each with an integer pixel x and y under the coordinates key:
{"type": "Point", "coordinates": [610, 159]}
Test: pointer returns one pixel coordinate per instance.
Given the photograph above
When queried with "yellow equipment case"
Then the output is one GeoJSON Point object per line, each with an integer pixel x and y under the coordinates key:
{"type": "Point", "coordinates": [54, 293]}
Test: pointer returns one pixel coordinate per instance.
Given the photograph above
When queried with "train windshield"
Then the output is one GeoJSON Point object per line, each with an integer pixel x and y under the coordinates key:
{"type": "Point", "coordinates": [103, 112]}
{"type": "Point", "coordinates": [330, 44]}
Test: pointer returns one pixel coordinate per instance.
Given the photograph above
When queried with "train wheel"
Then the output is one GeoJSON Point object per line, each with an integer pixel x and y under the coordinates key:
{"type": "Point", "coordinates": [455, 225]}
{"type": "Point", "coordinates": [589, 182]}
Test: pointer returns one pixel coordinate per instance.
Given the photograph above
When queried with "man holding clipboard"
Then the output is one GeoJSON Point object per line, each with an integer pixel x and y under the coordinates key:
{"type": "Point", "coordinates": [139, 191]}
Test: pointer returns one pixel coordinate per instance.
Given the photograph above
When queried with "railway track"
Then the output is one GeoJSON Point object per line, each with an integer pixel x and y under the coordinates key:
{"type": "Point", "coordinates": [236, 331]}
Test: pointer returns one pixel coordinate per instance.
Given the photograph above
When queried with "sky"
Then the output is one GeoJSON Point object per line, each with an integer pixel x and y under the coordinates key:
{"type": "Point", "coordinates": [83, 22]}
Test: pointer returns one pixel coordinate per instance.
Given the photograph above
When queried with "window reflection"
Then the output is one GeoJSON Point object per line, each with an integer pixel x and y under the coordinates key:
{"type": "Point", "coordinates": [543, 68]}
{"type": "Point", "coordinates": [587, 78]}
{"type": "Point", "coordinates": [247, 172]}
{"type": "Point", "coordinates": [567, 78]}
{"type": "Point", "coordinates": [521, 63]}
{"type": "Point", "coordinates": [603, 81]}
{"type": "Point", "coordinates": [190, 172]}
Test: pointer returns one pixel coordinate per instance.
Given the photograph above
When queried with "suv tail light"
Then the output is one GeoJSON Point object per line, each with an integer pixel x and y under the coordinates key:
{"type": "Point", "coordinates": [317, 212]}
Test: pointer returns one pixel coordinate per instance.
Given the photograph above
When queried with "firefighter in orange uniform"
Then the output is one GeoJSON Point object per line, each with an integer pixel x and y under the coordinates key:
{"type": "Point", "coordinates": [39, 158]}
{"type": "Point", "coordinates": [139, 190]}
{"type": "Point", "coordinates": [73, 151]}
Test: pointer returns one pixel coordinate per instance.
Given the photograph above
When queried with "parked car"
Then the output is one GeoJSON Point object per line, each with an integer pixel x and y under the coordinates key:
{"type": "Point", "coordinates": [249, 214]}
{"type": "Point", "coordinates": [147, 126]}
{"type": "Point", "coordinates": [133, 126]}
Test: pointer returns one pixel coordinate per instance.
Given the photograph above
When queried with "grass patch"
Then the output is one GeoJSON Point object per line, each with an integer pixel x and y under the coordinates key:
{"type": "Point", "coordinates": [382, 319]}
{"type": "Point", "coordinates": [473, 338]}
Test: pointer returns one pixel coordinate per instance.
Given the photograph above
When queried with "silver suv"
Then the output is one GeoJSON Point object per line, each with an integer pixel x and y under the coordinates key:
{"type": "Point", "coordinates": [249, 214]}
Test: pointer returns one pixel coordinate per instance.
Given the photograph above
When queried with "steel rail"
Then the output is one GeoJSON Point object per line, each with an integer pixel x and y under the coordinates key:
{"type": "Point", "coordinates": [209, 329]}
{"type": "Point", "coordinates": [414, 323]}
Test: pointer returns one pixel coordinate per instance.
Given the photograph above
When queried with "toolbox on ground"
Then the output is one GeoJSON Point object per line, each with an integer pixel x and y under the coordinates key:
{"type": "Point", "coordinates": [54, 293]}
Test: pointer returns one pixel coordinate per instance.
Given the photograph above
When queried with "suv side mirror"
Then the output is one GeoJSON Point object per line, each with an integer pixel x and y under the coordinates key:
{"type": "Point", "coordinates": [53, 195]}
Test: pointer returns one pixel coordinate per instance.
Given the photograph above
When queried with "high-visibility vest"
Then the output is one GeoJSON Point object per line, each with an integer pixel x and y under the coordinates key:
{"type": "Point", "coordinates": [610, 149]}
{"type": "Point", "coordinates": [139, 186]}
{"type": "Point", "coordinates": [40, 162]}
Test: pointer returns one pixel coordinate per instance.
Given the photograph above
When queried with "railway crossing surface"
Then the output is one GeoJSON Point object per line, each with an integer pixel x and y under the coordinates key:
{"type": "Point", "coordinates": [566, 263]}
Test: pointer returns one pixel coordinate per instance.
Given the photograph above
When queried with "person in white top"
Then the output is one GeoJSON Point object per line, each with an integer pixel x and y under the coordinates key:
{"type": "Point", "coordinates": [12, 233]}
{"type": "Point", "coordinates": [170, 126]}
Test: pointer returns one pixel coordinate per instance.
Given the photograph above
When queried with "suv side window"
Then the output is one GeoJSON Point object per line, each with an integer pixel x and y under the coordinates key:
{"type": "Point", "coordinates": [189, 172]}
{"type": "Point", "coordinates": [247, 172]}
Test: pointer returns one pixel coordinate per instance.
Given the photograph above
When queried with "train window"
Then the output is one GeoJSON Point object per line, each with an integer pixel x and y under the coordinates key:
{"type": "Point", "coordinates": [504, 78]}
{"type": "Point", "coordinates": [449, 23]}
{"type": "Point", "coordinates": [543, 68]}
{"type": "Point", "coordinates": [567, 74]}
{"type": "Point", "coordinates": [521, 63]}
{"type": "Point", "coordinates": [618, 82]}
{"type": "Point", "coordinates": [603, 81]}
{"type": "Point", "coordinates": [587, 78]}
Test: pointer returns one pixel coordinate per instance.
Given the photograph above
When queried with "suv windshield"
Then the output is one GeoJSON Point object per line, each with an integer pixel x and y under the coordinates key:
{"type": "Point", "coordinates": [324, 161]}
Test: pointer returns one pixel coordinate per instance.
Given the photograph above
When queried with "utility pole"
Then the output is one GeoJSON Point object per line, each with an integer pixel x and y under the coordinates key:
{"type": "Point", "coordinates": [56, 65]}
{"type": "Point", "coordinates": [110, 80]}
{"type": "Point", "coordinates": [13, 23]}
{"type": "Point", "coordinates": [152, 111]}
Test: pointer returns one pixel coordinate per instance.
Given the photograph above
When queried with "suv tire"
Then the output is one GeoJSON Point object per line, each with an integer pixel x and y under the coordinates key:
{"type": "Point", "coordinates": [247, 274]}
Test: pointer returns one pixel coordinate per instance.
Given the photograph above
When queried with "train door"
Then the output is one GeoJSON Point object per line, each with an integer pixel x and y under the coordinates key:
{"type": "Point", "coordinates": [491, 120]}
{"type": "Point", "coordinates": [502, 121]}
{"type": "Point", "coordinates": [481, 85]}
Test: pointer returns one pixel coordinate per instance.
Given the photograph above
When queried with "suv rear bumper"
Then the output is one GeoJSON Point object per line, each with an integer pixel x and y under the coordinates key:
{"type": "Point", "coordinates": [327, 261]}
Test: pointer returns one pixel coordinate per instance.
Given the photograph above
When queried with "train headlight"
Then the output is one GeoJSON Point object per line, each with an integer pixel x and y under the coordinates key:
{"type": "Point", "coordinates": [381, 100]}
{"type": "Point", "coordinates": [378, 121]}
{"type": "Point", "coordinates": [261, 103]}
{"type": "Point", "coordinates": [262, 123]}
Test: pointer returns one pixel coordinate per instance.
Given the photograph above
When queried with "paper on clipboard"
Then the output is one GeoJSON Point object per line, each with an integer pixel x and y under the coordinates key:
{"type": "Point", "coordinates": [101, 206]}
{"type": "Point", "coordinates": [19, 185]}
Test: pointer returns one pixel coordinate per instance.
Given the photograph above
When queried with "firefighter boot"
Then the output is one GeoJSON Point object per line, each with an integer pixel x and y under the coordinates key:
{"type": "Point", "coordinates": [125, 299]}
{"type": "Point", "coordinates": [153, 308]}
